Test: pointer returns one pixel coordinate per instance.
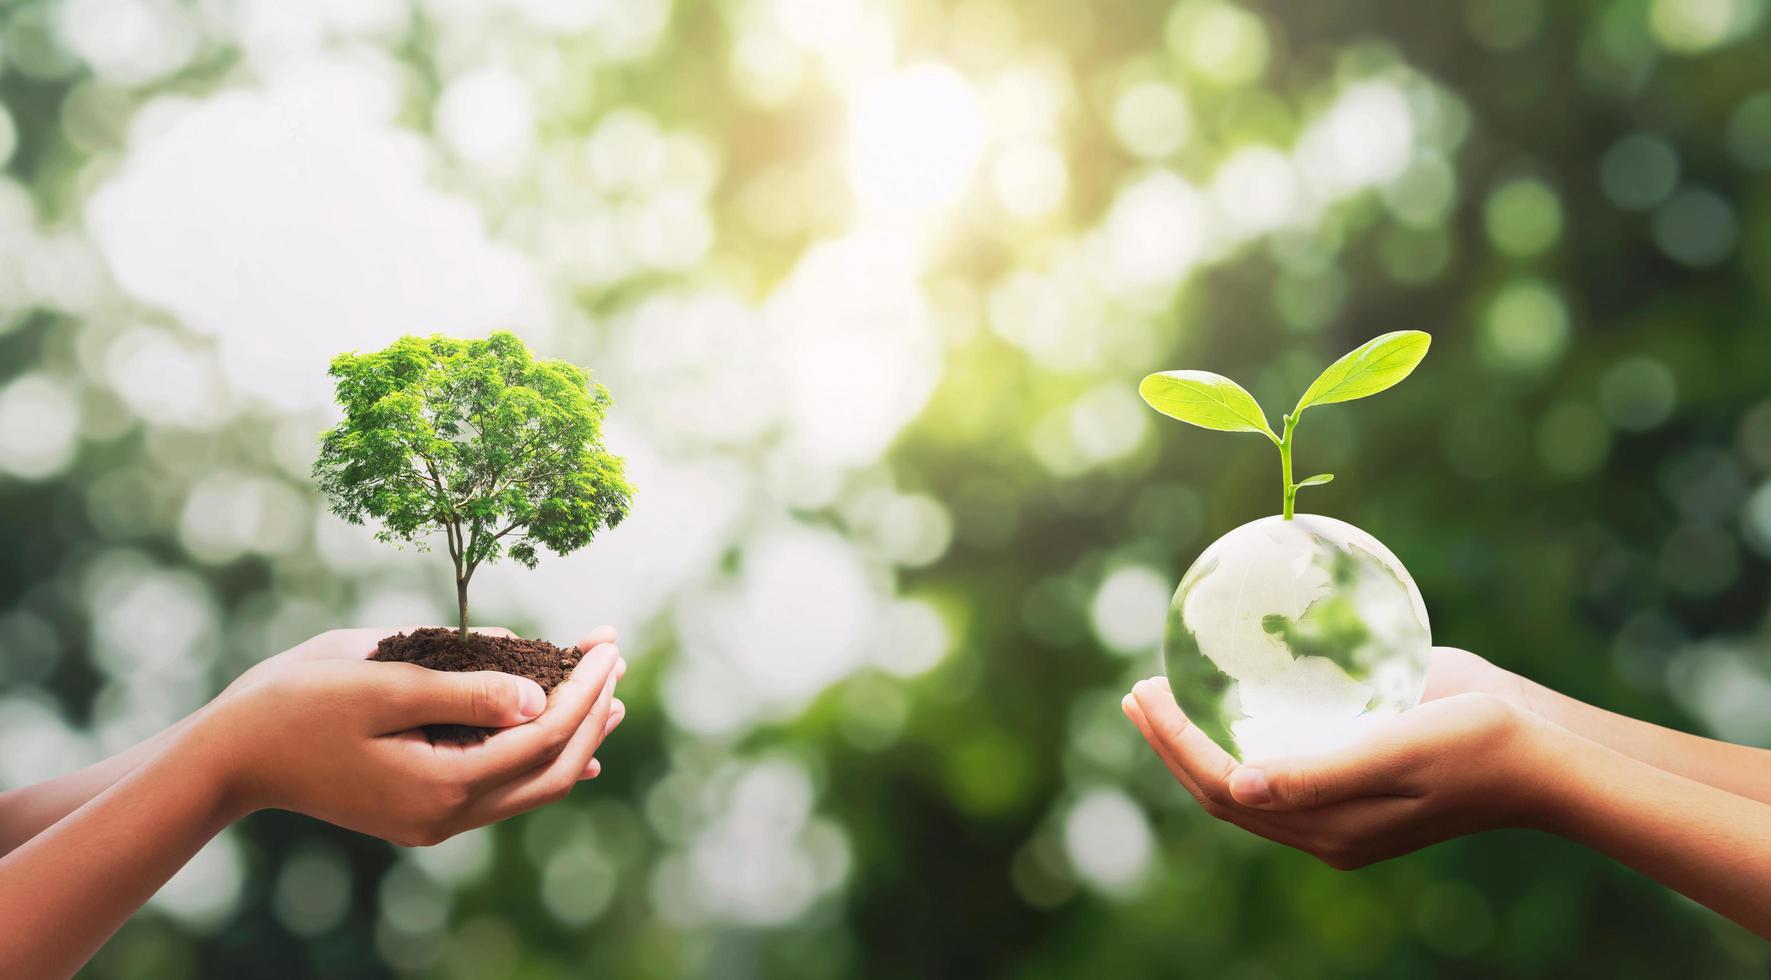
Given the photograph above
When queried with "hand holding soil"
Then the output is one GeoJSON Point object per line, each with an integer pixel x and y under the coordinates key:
{"type": "Point", "coordinates": [370, 766]}
{"type": "Point", "coordinates": [484, 650]}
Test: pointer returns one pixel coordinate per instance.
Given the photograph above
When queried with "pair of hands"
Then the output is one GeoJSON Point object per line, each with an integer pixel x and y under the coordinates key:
{"type": "Point", "coordinates": [1460, 762]}
{"type": "Point", "coordinates": [321, 730]}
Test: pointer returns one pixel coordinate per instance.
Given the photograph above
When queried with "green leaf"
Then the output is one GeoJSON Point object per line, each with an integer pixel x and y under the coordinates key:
{"type": "Point", "coordinates": [1370, 368]}
{"type": "Point", "coordinates": [1317, 480]}
{"type": "Point", "coordinates": [1208, 400]}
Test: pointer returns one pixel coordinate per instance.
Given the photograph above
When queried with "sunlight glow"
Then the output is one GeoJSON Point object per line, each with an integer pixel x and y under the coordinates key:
{"type": "Point", "coordinates": [1156, 231]}
{"type": "Point", "coordinates": [304, 179]}
{"type": "Point", "coordinates": [915, 139]}
{"type": "Point", "coordinates": [1367, 138]}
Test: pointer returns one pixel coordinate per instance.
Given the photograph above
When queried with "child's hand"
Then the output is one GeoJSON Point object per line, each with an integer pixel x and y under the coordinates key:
{"type": "Point", "coordinates": [321, 731]}
{"type": "Point", "coordinates": [1451, 766]}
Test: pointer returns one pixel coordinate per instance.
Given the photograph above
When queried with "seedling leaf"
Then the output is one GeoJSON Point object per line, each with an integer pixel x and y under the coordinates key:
{"type": "Point", "coordinates": [1317, 480]}
{"type": "Point", "coordinates": [1210, 401]}
{"type": "Point", "coordinates": [1368, 369]}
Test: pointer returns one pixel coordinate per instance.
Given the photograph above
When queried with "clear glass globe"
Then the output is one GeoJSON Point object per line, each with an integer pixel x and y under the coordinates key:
{"type": "Point", "coordinates": [1293, 637]}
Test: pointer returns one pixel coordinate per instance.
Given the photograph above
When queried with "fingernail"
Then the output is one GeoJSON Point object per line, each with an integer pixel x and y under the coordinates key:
{"type": "Point", "coordinates": [533, 699]}
{"type": "Point", "coordinates": [621, 667]}
{"type": "Point", "coordinates": [1250, 786]}
{"type": "Point", "coordinates": [1125, 704]}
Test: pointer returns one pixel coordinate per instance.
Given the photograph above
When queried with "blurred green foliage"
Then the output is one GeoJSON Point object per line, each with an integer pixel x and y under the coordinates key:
{"type": "Point", "coordinates": [1577, 479]}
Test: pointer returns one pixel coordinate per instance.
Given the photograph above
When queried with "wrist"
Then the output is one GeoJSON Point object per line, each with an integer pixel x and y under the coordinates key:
{"type": "Point", "coordinates": [209, 745]}
{"type": "Point", "coordinates": [1545, 772]}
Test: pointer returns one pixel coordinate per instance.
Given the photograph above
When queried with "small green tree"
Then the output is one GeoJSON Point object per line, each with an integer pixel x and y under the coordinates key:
{"type": "Point", "coordinates": [475, 438]}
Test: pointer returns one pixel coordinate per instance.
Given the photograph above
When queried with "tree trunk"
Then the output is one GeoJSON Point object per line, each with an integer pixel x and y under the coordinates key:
{"type": "Point", "coordinates": [461, 598]}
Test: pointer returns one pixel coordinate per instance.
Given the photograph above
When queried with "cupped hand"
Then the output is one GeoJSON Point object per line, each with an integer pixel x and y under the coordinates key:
{"type": "Point", "coordinates": [322, 731]}
{"type": "Point", "coordinates": [1453, 765]}
{"type": "Point", "coordinates": [360, 644]}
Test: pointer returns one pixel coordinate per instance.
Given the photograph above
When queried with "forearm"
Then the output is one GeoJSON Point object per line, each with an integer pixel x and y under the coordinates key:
{"type": "Point", "coordinates": [68, 888]}
{"type": "Point", "coordinates": [1710, 844]}
{"type": "Point", "coordinates": [27, 811]}
{"type": "Point", "coordinates": [1738, 769]}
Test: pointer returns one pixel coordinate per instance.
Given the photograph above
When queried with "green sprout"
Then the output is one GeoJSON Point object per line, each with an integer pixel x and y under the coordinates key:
{"type": "Point", "coordinates": [1213, 401]}
{"type": "Point", "coordinates": [477, 439]}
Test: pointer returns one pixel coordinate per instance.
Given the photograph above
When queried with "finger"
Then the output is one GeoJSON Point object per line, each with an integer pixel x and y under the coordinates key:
{"type": "Point", "coordinates": [1192, 750]}
{"type": "Point", "coordinates": [552, 780]}
{"type": "Point", "coordinates": [588, 738]}
{"type": "Point", "coordinates": [596, 638]}
{"type": "Point", "coordinates": [1268, 825]}
{"type": "Point", "coordinates": [617, 712]}
{"type": "Point", "coordinates": [1217, 803]}
{"type": "Point", "coordinates": [406, 696]}
{"type": "Point", "coordinates": [1130, 706]}
{"type": "Point", "coordinates": [1451, 670]}
{"type": "Point", "coordinates": [1440, 741]}
{"type": "Point", "coordinates": [1272, 826]}
{"type": "Point", "coordinates": [1352, 833]}
{"type": "Point", "coordinates": [1134, 711]}
{"type": "Point", "coordinates": [518, 750]}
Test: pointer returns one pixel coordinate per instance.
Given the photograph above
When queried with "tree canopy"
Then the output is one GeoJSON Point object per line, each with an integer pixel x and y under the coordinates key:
{"type": "Point", "coordinates": [478, 439]}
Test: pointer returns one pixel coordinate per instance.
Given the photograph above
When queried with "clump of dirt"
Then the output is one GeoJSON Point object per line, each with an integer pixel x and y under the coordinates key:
{"type": "Point", "coordinates": [443, 649]}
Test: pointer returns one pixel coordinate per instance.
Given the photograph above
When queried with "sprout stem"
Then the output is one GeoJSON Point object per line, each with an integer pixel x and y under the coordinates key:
{"type": "Point", "coordinates": [1291, 490]}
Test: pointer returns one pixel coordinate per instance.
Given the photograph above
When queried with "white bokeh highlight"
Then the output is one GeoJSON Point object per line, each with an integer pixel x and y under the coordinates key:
{"type": "Point", "coordinates": [295, 220]}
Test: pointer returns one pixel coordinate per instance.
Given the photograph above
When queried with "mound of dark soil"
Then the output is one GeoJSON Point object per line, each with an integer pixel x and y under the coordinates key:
{"type": "Point", "coordinates": [442, 649]}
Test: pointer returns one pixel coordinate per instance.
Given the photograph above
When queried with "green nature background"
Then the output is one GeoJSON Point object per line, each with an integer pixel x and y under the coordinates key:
{"type": "Point", "coordinates": [903, 532]}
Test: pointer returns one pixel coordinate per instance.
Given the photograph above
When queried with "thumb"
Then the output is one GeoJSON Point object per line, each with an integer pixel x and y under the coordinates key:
{"type": "Point", "coordinates": [412, 696]}
{"type": "Point", "coordinates": [1307, 783]}
{"type": "Point", "coordinates": [1445, 737]}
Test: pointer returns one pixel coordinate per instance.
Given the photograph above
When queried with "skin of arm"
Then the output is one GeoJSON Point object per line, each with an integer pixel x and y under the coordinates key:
{"type": "Point", "coordinates": [330, 736]}
{"type": "Point", "coordinates": [1468, 762]}
{"type": "Point", "coordinates": [1739, 769]}
{"type": "Point", "coordinates": [29, 810]}
{"type": "Point", "coordinates": [1710, 844]}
